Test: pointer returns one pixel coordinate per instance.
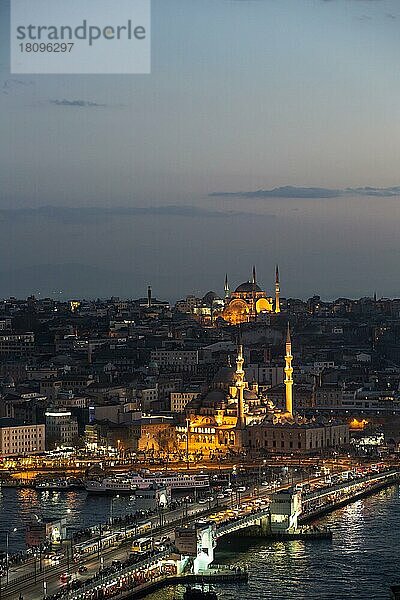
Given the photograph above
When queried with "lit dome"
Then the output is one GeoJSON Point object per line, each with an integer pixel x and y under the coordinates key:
{"type": "Point", "coordinates": [247, 287]}
{"type": "Point", "coordinates": [225, 376]}
{"type": "Point", "coordinates": [249, 395]}
{"type": "Point", "coordinates": [209, 298]}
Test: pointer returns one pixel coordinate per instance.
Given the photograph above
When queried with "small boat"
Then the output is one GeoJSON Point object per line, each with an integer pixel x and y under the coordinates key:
{"type": "Point", "coordinates": [198, 594]}
{"type": "Point", "coordinates": [57, 485]}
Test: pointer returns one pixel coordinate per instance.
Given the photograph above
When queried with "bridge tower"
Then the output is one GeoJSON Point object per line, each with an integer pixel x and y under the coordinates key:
{"type": "Point", "coordinates": [285, 509]}
{"type": "Point", "coordinates": [199, 542]}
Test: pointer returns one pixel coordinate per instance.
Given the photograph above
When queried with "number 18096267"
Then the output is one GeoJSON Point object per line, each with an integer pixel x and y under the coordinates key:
{"type": "Point", "coordinates": [43, 47]}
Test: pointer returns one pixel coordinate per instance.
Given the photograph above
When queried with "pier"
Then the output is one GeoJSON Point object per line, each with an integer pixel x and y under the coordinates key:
{"type": "Point", "coordinates": [215, 575]}
{"type": "Point", "coordinates": [302, 533]}
{"type": "Point", "coordinates": [322, 502]}
{"type": "Point", "coordinates": [295, 510]}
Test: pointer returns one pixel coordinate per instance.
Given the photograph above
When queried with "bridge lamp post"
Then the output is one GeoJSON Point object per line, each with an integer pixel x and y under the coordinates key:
{"type": "Point", "coordinates": [237, 497]}
{"type": "Point", "coordinates": [185, 512]}
{"type": "Point", "coordinates": [112, 510]}
{"type": "Point", "coordinates": [7, 532]}
{"type": "Point", "coordinates": [261, 472]}
{"type": "Point", "coordinates": [99, 547]}
{"type": "Point", "coordinates": [45, 583]}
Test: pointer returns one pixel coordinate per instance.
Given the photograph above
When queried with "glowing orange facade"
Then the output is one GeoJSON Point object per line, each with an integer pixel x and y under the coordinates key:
{"type": "Point", "coordinates": [246, 302]}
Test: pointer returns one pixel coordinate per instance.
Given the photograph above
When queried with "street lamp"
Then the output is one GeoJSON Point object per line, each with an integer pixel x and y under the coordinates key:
{"type": "Point", "coordinates": [112, 510]}
{"type": "Point", "coordinates": [7, 532]}
{"type": "Point", "coordinates": [100, 546]}
{"type": "Point", "coordinates": [44, 589]}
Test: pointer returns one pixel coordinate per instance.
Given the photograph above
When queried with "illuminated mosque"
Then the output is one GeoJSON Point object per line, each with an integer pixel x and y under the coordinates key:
{"type": "Point", "coordinates": [246, 304]}
{"type": "Point", "coordinates": [218, 419]}
{"type": "Point", "coordinates": [234, 417]}
{"type": "Point", "coordinates": [249, 300]}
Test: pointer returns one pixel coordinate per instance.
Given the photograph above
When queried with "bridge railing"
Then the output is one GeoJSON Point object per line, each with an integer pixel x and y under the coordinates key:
{"type": "Point", "coordinates": [242, 522]}
{"type": "Point", "coordinates": [349, 484]}
{"type": "Point", "coordinates": [109, 578]}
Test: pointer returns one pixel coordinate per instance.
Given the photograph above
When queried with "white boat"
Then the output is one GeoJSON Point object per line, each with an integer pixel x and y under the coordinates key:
{"type": "Point", "coordinates": [128, 485]}
{"type": "Point", "coordinates": [55, 485]}
{"type": "Point", "coordinates": [110, 485]}
{"type": "Point", "coordinates": [173, 481]}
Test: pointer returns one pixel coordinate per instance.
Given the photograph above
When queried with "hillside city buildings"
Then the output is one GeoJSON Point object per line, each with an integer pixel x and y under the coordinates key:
{"type": "Point", "coordinates": [244, 373]}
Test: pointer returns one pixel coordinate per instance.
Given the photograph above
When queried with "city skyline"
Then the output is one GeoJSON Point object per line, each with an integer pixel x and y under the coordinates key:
{"type": "Point", "coordinates": [200, 308]}
{"type": "Point", "coordinates": [170, 178]}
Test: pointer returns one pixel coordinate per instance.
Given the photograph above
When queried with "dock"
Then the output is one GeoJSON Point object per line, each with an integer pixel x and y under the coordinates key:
{"type": "Point", "coordinates": [301, 534]}
{"type": "Point", "coordinates": [213, 575]}
{"type": "Point", "coordinates": [342, 501]}
{"type": "Point", "coordinates": [17, 483]}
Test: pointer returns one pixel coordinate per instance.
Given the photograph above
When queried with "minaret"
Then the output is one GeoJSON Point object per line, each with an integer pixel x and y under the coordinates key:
{"type": "Point", "coordinates": [226, 288]}
{"type": "Point", "coordinates": [254, 284]}
{"type": "Point", "coordinates": [240, 384]}
{"type": "Point", "coordinates": [149, 297]}
{"type": "Point", "coordinates": [277, 291]}
{"type": "Point", "coordinates": [289, 374]}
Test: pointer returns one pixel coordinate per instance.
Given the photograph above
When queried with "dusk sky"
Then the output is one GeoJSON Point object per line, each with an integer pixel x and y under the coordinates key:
{"type": "Point", "coordinates": [158, 170]}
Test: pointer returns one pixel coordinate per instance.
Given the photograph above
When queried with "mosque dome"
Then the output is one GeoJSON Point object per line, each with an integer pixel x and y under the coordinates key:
{"type": "Point", "coordinates": [209, 298]}
{"type": "Point", "coordinates": [225, 376]}
{"type": "Point", "coordinates": [247, 287]}
{"type": "Point", "coordinates": [249, 395]}
{"type": "Point", "coordinates": [214, 398]}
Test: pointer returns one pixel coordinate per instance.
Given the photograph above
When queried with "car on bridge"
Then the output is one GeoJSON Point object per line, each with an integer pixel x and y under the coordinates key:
{"type": "Point", "coordinates": [82, 569]}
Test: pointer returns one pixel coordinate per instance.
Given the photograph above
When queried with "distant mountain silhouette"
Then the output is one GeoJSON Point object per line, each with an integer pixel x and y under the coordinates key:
{"type": "Point", "coordinates": [72, 280]}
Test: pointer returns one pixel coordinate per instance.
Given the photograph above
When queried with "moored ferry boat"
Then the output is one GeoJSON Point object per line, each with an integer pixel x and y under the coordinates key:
{"type": "Point", "coordinates": [110, 485]}
{"type": "Point", "coordinates": [128, 485]}
{"type": "Point", "coordinates": [173, 481]}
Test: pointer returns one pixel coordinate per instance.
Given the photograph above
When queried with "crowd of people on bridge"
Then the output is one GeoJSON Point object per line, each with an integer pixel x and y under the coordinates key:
{"type": "Point", "coordinates": [234, 519]}
{"type": "Point", "coordinates": [119, 582]}
{"type": "Point", "coordinates": [131, 519]}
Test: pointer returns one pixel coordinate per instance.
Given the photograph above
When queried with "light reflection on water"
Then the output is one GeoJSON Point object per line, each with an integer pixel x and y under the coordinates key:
{"type": "Point", "coordinates": [18, 507]}
{"type": "Point", "coordinates": [360, 563]}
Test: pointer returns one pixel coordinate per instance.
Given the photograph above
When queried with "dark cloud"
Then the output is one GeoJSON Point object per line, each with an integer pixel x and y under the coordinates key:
{"type": "Point", "coordinates": [289, 191]}
{"type": "Point", "coordinates": [78, 103]}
